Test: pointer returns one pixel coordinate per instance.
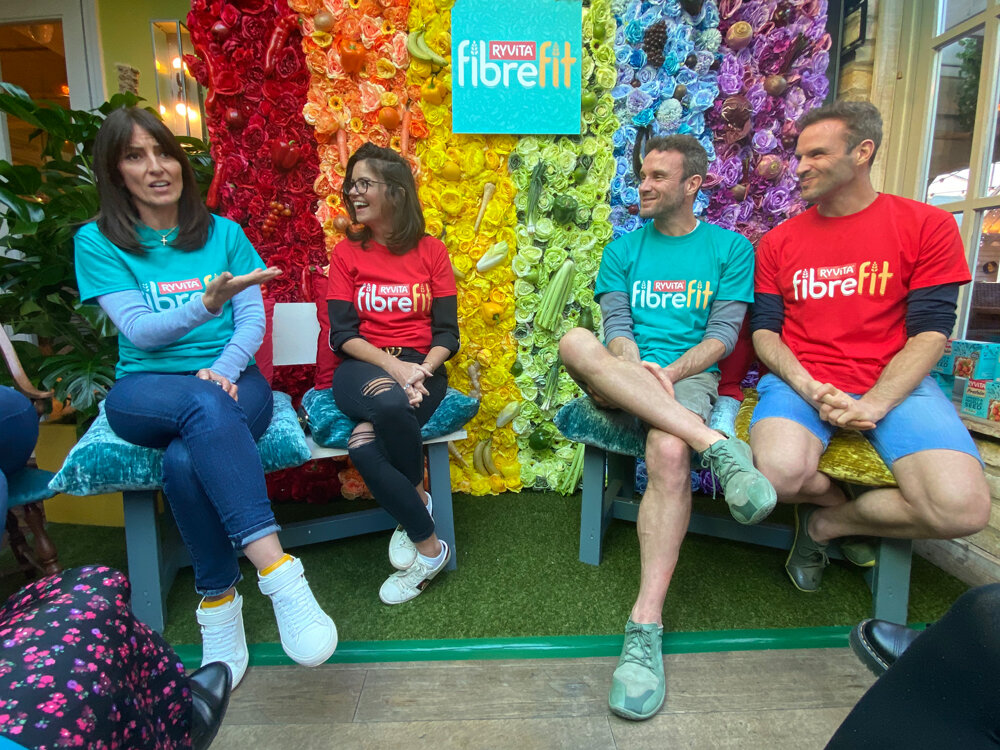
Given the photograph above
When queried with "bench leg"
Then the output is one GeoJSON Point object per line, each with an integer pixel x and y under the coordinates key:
{"type": "Point", "coordinates": [444, 515]}
{"type": "Point", "coordinates": [891, 580]}
{"type": "Point", "coordinates": [145, 558]}
{"type": "Point", "coordinates": [592, 507]}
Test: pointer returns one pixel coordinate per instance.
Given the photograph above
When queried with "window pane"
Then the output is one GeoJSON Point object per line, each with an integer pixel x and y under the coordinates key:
{"type": "Point", "coordinates": [951, 148]}
{"type": "Point", "coordinates": [32, 57]}
{"type": "Point", "coordinates": [984, 312]}
{"type": "Point", "coordinates": [956, 11]}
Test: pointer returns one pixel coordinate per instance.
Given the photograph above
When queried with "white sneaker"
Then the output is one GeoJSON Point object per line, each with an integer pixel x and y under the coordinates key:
{"type": "Point", "coordinates": [308, 635]}
{"type": "Point", "coordinates": [402, 552]}
{"type": "Point", "coordinates": [223, 638]}
{"type": "Point", "coordinates": [406, 584]}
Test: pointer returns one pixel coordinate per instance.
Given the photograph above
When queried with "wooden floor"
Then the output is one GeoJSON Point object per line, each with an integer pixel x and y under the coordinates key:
{"type": "Point", "coordinates": [746, 699]}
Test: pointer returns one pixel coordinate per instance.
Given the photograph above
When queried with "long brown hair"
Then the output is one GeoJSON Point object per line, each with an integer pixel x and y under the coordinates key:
{"type": "Point", "coordinates": [401, 195]}
{"type": "Point", "coordinates": [118, 218]}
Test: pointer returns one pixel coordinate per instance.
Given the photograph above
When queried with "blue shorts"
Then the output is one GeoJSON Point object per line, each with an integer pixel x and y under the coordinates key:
{"type": "Point", "coordinates": [925, 420]}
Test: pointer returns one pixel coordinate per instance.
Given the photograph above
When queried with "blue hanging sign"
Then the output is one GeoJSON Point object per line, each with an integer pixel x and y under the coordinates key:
{"type": "Point", "coordinates": [515, 66]}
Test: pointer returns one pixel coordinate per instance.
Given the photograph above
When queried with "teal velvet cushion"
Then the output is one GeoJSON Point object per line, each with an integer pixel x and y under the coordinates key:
{"type": "Point", "coordinates": [331, 429]}
{"type": "Point", "coordinates": [27, 486]}
{"type": "Point", "coordinates": [612, 430]}
{"type": "Point", "coordinates": [102, 462]}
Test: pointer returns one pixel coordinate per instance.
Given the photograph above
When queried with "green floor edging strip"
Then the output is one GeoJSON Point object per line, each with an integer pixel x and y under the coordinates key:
{"type": "Point", "coordinates": [564, 647]}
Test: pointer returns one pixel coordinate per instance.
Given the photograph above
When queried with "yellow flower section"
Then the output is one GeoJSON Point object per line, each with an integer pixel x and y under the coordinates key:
{"type": "Point", "coordinates": [457, 172]}
{"type": "Point", "coordinates": [357, 92]}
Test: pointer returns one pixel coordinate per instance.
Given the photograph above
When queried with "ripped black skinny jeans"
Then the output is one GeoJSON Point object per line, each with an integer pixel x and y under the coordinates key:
{"type": "Point", "coordinates": [390, 459]}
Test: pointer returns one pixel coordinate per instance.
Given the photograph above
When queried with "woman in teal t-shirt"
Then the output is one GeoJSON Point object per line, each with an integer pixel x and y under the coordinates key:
{"type": "Point", "coordinates": [182, 286]}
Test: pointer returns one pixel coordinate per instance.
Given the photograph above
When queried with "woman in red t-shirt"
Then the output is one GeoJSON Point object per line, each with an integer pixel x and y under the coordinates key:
{"type": "Point", "coordinates": [394, 322]}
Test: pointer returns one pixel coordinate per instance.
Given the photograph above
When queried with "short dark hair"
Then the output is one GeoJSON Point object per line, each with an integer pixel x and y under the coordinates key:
{"type": "Point", "coordinates": [695, 156]}
{"type": "Point", "coordinates": [862, 120]}
{"type": "Point", "coordinates": [401, 194]}
{"type": "Point", "coordinates": [118, 216]}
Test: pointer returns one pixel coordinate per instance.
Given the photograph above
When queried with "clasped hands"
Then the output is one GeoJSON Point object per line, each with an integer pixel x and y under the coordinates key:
{"type": "Point", "coordinates": [411, 377]}
{"type": "Point", "coordinates": [840, 409]}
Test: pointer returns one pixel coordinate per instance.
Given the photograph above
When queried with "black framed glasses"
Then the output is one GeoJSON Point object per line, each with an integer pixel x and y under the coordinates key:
{"type": "Point", "coordinates": [361, 185]}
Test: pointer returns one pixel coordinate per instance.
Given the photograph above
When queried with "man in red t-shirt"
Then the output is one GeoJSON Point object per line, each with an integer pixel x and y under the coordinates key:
{"type": "Point", "coordinates": [854, 301]}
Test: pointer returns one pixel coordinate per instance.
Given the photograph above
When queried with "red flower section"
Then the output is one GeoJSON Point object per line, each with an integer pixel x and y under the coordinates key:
{"type": "Point", "coordinates": [249, 57]}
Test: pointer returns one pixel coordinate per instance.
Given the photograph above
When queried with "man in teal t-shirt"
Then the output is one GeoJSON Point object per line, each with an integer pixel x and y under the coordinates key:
{"type": "Point", "coordinates": [673, 295]}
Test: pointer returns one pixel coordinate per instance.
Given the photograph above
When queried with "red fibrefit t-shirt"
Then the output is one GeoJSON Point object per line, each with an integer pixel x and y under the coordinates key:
{"type": "Point", "coordinates": [392, 293]}
{"type": "Point", "coordinates": [844, 282]}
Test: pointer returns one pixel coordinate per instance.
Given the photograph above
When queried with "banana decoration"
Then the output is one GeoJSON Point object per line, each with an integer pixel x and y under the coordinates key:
{"type": "Point", "coordinates": [417, 46]}
{"type": "Point", "coordinates": [482, 458]}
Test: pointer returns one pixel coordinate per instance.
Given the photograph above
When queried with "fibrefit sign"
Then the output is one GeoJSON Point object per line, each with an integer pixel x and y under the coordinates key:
{"type": "Point", "coordinates": [515, 66]}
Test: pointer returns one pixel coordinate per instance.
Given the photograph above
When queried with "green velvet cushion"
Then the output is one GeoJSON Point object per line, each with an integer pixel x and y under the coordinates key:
{"type": "Point", "coordinates": [102, 462]}
{"type": "Point", "coordinates": [612, 430]}
{"type": "Point", "coordinates": [331, 429]}
{"type": "Point", "coordinates": [27, 486]}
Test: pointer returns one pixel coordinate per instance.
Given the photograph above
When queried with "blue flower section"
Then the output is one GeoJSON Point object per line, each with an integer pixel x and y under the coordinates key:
{"type": "Point", "coordinates": [650, 97]}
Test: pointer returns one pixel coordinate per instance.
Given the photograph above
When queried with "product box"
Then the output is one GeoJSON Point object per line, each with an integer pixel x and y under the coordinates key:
{"type": "Point", "coordinates": [976, 360]}
{"type": "Point", "coordinates": [945, 365]}
{"type": "Point", "coordinates": [982, 399]}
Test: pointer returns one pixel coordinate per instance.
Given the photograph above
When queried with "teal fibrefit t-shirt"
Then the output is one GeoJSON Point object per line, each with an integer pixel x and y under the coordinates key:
{"type": "Point", "coordinates": [166, 277]}
{"type": "Point", "coordinates": [671, 283]}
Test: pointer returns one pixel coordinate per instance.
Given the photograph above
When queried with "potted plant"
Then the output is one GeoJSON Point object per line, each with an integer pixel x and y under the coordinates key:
{"type": "Point", "coordinates": [74, 347]}
{"type": "Point", "coordinates": [71, 347]}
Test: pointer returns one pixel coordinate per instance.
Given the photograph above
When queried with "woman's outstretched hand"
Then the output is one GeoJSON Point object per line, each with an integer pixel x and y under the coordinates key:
{"type": "Point", "coordinates": [220, 380]}
{"type": "Point", "coordinates": [225, 286]}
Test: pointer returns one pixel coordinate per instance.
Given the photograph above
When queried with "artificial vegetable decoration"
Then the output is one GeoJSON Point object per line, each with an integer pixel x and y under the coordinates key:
{"type": "Point", "coordinates": [488, 190]}
{"type": "Point", "coordinates": [586, 319]}
{"type": "Point", "coordinates": [491, 312]}
{"type": "Point", "coordinates": [433, 91]}
{"type": "Point", "coordinates": [352, 56]}
{"type": "Point", "coordinates": [278, 38]}
{"type": "Point", "coordinates": [493, 257]}
{"type": "Point", "coordinates": [551, 387]}
{"type": "Point", "coordinates": [556, 295]}
{"type": "Point", "coordinates": [534, 193]}
{"type": "Point", "coordinates": [285, 154]}
{"type": "Point", "coordinates": [212, 197]}
{"type": "Point", "coordinates": [564, 209]}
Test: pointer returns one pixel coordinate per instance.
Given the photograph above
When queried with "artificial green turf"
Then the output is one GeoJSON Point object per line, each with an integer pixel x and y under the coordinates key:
{"type": "Point", "coordinates": [518, 576]}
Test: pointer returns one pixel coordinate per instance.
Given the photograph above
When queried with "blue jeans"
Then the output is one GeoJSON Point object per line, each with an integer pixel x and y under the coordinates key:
{"type": "Point", "coordinates": [925, 420]}
{"type": "Point", "coordinates": [212, 475]}
{"type": "Point", "coordinates": [18, 435]}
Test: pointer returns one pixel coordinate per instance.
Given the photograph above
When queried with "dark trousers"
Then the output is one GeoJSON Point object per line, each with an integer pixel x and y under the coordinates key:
{"type": "Point", "coordinates": [393, 463]}
{"type": "Point", "coordinates": [942, 692]}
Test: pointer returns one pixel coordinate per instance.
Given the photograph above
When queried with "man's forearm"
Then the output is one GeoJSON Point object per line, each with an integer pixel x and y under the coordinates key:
{"type": "Point", "coordinates": [696, 359]}
{"type": "Point", "coordinates": [624, 348]}
{"type": "Point", "coordinates": [780, 360]}
{"type": "Point", "coordinates": [906, 369]}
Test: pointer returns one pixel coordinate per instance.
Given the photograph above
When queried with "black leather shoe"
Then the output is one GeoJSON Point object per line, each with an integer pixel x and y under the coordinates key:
{"type": "Point", "coordinates": [879, 643]}
{"type": "Point", "coordinates": [210, 687]}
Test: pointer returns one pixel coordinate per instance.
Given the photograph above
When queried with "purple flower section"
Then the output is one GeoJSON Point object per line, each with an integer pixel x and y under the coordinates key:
{"type": "Point", "coordinates": [671, 98]}
{"type": "Point", "coordinates": [788, 55]}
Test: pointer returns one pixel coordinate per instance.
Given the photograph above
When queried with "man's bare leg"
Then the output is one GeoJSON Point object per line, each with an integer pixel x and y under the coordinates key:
{"type": "Point", "coordinates": [663, 520]}
{"type": "Point", "coordinates": [788, 455]}
{"type": "Point", "coordinates": [942, 495]}
{"type": "Point", "coordinates": [632, 388]}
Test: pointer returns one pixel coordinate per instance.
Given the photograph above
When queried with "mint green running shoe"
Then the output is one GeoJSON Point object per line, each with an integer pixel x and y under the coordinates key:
{"type": "Point", "coordinates": [750, 497]}
{"type": "Point", "coordinates": [638, 685]}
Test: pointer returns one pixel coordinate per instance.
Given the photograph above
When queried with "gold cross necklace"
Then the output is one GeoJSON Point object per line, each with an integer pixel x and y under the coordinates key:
{"type": "Point", "coordinates": [165, 236]}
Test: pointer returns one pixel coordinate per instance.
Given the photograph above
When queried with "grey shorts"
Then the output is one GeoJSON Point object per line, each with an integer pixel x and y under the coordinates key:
{"type": "Point", "coordinates": [698, 393]}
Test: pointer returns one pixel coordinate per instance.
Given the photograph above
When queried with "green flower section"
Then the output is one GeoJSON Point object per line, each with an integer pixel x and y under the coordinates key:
{"type": "Point", "coordinates": [562, 207]}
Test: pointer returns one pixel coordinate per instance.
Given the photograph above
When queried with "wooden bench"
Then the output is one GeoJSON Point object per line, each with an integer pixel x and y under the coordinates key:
{"type": "Point", "coordinates": [609, 492]}
{"type": "Point", "coordinates": [154, 547]}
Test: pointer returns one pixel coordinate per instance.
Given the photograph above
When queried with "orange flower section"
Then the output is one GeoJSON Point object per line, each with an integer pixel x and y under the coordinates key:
{"type": "Point", "coordinates": [357, 56]}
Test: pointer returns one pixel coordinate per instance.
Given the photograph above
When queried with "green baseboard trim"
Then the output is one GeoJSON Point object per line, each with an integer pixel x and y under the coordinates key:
{"type": "Point", "coordinates": [569, 646]}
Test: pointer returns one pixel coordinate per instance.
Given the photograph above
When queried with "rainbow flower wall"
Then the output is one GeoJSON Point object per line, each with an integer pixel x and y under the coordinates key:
{"type": "Point", "coordinates": [294, 88]}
